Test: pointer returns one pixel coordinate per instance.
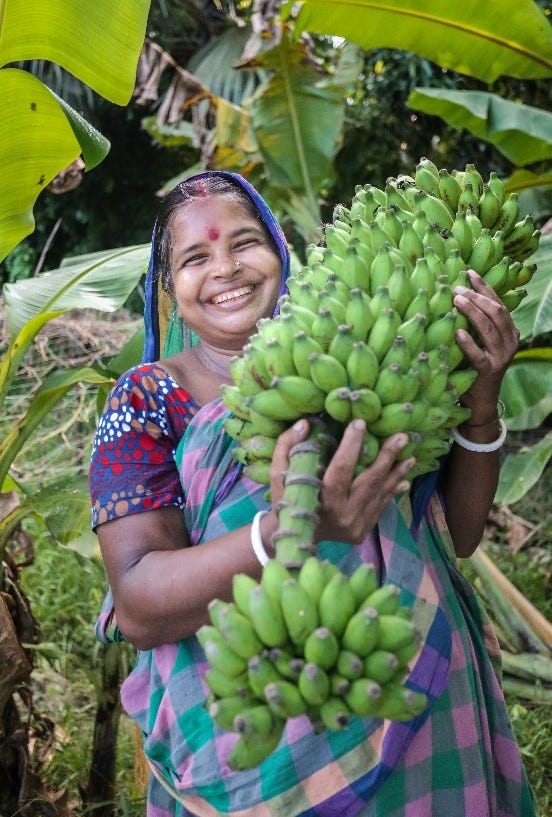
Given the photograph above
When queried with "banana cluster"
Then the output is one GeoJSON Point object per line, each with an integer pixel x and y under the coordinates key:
{"type": "Point", "coordinates": [312, 642]}
{"type": "Point", "coordinates": [367, 329]}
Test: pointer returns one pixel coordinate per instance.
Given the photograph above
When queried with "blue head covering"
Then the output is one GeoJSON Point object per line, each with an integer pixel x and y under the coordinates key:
{"type": "Point", "coordinates": [154, 346]}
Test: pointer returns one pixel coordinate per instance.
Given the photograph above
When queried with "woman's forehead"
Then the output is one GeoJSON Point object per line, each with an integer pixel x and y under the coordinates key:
{"type": "Point", "coordinates": [213, 214]}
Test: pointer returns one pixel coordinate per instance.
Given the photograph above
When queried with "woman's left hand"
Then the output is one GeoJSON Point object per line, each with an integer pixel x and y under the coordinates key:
{"type": "Point", "coordinates": [498, 342]}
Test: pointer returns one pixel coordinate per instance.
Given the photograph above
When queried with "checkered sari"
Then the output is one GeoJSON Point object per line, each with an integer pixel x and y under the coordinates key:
{"type": "Point", "coordinates": [458, 759]}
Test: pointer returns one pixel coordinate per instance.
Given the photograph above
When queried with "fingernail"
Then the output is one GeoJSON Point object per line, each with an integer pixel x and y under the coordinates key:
{"type": "Point", "coordinates": [402, 440]}
{"type": "Point", "coordinates": [402, 487]}
{"type": "Point", "coordinates": [360, 425]}
{"type": "Point", "coordinates": [460, 290]}
{"type": "Point", "coordinates": [299, 426]}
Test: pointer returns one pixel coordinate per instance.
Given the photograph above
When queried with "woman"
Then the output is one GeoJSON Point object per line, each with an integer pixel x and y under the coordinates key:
{"type": "Point", "coordinates": [224, 260]}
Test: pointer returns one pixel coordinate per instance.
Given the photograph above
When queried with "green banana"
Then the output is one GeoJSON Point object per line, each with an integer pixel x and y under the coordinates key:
{"type": "Point", "coordinates": [413, 330]}
{"type": "Point", "coordinates": [337, 604]}
{"type": "Point", "coordinates": [361, 632]}
{"type": "Point", "coordinates": [497, 186]}
{"type": "Point", "coordinates": [363, 581]}
{"type": "Point", "coordinates": [335, 714]}
{"type": "Point", "coordinates": [301, 393]}
{"type": "Point", "coordinates": [326, 372]}
{"type": "Point", "coordinates": [299, 611]}
{"type": "Point", "coordinates": [433, 240]}
{"type": "Point", "coordinates": [368, 452]}
{"type": "Point", "coordinates": [358, 314]}
{"type": "Point", "coordinates": [469, 198]}
{"type": "Point", "coordinates": [363, 697]}
{"type": "Point", "coordinates": [267, 618]}
{"type": "Point", "coordinates": [250, 753]}
{"type": "Point", "coordinates": [258, 471]}
{"type": "Point", "coordinates": [441, 301]}
{"type": "Point", "coordinates": [394, 633]}
{"type": "Point", "coordinates": [433, 392]}
{"type": "Point", "coordinates": [336, 240]}
{"type": "Point", "coordinates": [509, 214]}
{"type": "Point", "coordinates": [362, 366]}
{"type": "Point", "coordinates": [288, 665]}
{"type": "Point", "coordinates": [278, 358]}
{"type": "Point", "coordinates": [421, 277]}
{"type": "Point", "coordinates": [242, 377]}
{"type": "Point", "coordinates": [242, 585]}
{"type": "Point", "coordinates": [238, 632]}
{"type": "Point", "coordinates": [223, 686]}
{"type": "Point", "coordinates": [385, 599]}
{"type": "Point", "coordinates": [341, 346]}
{"type": "Point", "coordinates": [389, 221]}
{"type": "Point", "coordinates": [365, 404]}
{"type": "Point", "coordinates": [426, 176]}
{"type": "Point", "coordinates": [449, 189]}
{"type": "Point", "coordinates": [482, 255]}
{"type": "Point", "coordinates": [284, 699]}
{"type": "Point", "coordinates": [348, 665]}
{"type": "Point", "coordinates": [410, 243]}
{"type": "Point", "coordinates": [313, 684]}
{"type": "Point", "coordinates": [383, 332]}
{"type": "Point", "coordinates": [381, 666]}
{"type": "Point", "coordinates": [395, 417]}
{"type": "Point", "coordinates": [303, 346]}
{"type": "Point", "coordinates": [389, 385]}
{"type": "Point", "coordinates": [441, 331]}
{"type": "Point", "coordinates": [379, 236]}
{"type": "Point", "coordinates": [261, 671]}
{"type": "Point", "coordinates": [489, 208]}
{"type": "Point", "coordinates": [399, 289]}
{"type": "Point", "coordinates": [325, 326]}
{"type": "Point", "coordinates": [473, 176]}
{"type": "Point", "coordinates": [234, 400]}
{"type": "Point", "coordinates": [321, 647]}
{"type": "Point", "coordinates": [338, 405]}
{"type": "Point", "coordinates": [419, 303]}
{"type": "Point", "coordinates": [381, 268]}
{"type": "Point", "coordinates": [434, 208]}
{"type": "Point", "coordinates": [312, 576]}
{"type": "Point", "coordinates": [272, 404]}
{"type": "Point", "coordinates": [398, 703]}
{"type": "Point", "coordinates": [256, 720]}
{"type": "Point", "coordinates": [223, 711]}
{"type": "Point", "coordinates": [222, 658]}
{"type": "Point", "coordinates": [273, 576]}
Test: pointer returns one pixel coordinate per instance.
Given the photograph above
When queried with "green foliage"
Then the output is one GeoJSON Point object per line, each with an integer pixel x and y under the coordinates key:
{"type": "Point", "coordinates": [32, 116]}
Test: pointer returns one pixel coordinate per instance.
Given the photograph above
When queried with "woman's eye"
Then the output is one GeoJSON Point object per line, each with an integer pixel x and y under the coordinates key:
{"type": "Point", "coordinates": [194, 259]}
{"type": "Point", "coordinates": [247, 242]}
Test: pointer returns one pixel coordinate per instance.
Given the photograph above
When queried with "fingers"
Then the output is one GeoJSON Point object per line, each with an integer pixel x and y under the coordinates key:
{"type": "Point", "coordinates": [497, 333]}
{"type": "Point", "coordinates": [280, 458]}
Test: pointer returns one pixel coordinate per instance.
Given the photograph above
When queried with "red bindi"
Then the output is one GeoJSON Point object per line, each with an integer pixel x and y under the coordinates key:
{"type": "Point", "coordinates": [213, 233]}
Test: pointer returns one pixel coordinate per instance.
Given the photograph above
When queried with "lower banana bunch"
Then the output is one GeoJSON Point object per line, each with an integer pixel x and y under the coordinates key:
{"type": "Point", "coordinates": [312, 642]}
{"type": "Point", "coordinates": [367, 331]}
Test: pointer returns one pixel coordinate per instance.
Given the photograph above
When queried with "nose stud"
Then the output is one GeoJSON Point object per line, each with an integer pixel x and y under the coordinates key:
{"type": "Point", "coordinates": [237, 264]}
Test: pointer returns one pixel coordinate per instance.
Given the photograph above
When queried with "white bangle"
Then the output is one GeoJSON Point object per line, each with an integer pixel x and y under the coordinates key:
{"type": "Point", "coordinates": [257, 539]}
{"type": "Point", "coordinates": [481, 448]}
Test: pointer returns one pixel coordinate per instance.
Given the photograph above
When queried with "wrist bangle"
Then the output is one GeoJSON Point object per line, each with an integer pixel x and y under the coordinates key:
{"type": "Point", "coordinates": [481, 448]}
{"type": "Point", "coordinates": [257, 539]}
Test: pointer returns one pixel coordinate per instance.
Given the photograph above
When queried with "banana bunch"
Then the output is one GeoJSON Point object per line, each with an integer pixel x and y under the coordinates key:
{"type": "Point", "coordinates": [366, 331]}
{"type": "Point", "coordinates": [312, 642]}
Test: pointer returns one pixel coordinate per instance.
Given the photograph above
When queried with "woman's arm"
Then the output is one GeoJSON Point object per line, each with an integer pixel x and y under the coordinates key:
{"type": "Point", "coordinates": [162, 587]}
{"type": "Point", "coordinates": [470, 478]}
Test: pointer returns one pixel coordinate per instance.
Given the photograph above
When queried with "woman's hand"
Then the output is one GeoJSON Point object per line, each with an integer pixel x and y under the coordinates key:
{"type": "Point", "coordinates": [498, 343]}
{"type": "Point", "coordinates": [351, 506]}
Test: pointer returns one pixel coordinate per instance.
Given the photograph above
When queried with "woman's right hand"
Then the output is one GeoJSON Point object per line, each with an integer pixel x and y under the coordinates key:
{"type": "Point", "coordinates": [350, 506]}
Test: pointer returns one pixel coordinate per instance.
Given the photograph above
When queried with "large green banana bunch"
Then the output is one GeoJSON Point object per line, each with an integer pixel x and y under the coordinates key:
{"type": "Point", "coordinates": [366, 331]}
{"type": "Point", "coordinates": [312, 642]}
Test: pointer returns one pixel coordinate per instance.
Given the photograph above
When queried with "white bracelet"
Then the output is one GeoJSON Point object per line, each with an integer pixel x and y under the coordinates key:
{"type": "Point", "coordinates": [257, 539]}
{"type": "Point", "coordinates": [481, 448]}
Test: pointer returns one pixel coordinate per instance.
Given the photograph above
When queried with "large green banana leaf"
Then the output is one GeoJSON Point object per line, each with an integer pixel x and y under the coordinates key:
{"type": "Point", "coordinates": [297, 121]}
{"type": "Point", "coordinates": [41, 135]}
{"type": "Point", "coordinates": [485, 40]}
{"type": "Point", "coordinates": [522, 470]}
{"type": "Point", "coordinates": [100, 44]}
{"type": "Point", "coordinates": [103, 281]}
{"type": "Point", "coordinates": [522, 133]}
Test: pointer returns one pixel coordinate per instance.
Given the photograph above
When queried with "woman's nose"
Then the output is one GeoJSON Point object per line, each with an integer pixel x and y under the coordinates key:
{"type": "Point", "coordinates": [227, 266]}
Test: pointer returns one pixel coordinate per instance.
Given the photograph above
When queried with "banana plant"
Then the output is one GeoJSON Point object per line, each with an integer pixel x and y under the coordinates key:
{"type": "Point", "coordinates": [527, 386]}
{"type": "Point", "coordinates": [41, 134]}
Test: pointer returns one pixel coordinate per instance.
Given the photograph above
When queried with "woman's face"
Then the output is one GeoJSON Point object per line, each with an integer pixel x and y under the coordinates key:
{"type": "Point", "coordinates": [218, 298]}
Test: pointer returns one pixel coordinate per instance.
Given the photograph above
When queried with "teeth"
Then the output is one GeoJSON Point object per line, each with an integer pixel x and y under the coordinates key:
{"type": "Point", "coordinates": [228, 296]}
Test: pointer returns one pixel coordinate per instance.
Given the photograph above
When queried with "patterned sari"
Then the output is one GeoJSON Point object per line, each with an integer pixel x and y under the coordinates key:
{"type": "Point", "coordinates": [459, 758]}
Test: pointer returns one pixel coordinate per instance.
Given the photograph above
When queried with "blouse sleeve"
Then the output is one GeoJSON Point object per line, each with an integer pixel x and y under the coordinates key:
{"type": "Point", "coordinates": [133, 467]}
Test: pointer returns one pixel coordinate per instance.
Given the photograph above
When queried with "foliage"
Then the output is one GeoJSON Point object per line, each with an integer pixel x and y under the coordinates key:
{"type": "Point", "coordinates": [105, 60]}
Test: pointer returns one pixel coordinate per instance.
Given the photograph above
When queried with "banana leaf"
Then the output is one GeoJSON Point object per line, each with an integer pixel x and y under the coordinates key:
{"type": "Point", "coordinates": [103, 282]}
{"type": "Point", "coordinates": [523, 179]}
{"type": "Point", "coordinates": [485, 40]}
{"type": "Point", "coordinates": [99, 44]}
{"type": "Point", "coordinates": [52, 389]}
{"type": "Point", "coordinates": [521, 471]}
{"type": "Point", "coordinates": [526, 384]}
{"type": "Point", "coordinates": [533, 317]}
{"type": "Point", "coordinates": [522, 133]}
{"type": "Point", "coordinates": [297, 121]}
{"type": "Point", "coordinates": [40, 137]}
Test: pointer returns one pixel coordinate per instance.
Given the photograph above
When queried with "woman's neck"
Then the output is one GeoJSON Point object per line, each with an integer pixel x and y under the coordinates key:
{"type": "Point", "coordinates": [213, 360]}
